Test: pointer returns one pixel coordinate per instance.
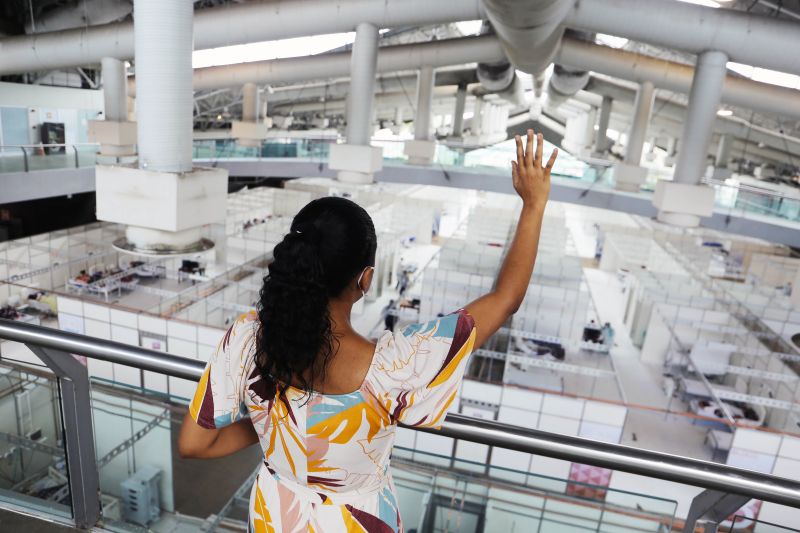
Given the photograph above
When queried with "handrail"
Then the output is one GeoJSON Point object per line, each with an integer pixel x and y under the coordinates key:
{"type": "Point", "coordinates": [615, 456]}
{"type": "Point", "coordinates": [46, 145]}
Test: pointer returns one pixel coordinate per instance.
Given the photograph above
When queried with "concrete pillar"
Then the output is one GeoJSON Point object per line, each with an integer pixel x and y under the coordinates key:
{"type": "Point", "coordinates": [263, 103]}
{"type": "Point", "coordinates": [601, 137]}
{"type": "Point", "coordinates": [361, 97]}
{"type": "Point", "coordinates": [116, 135]}
{"type": "Point", "coordinates": [165, 203]}
{"type": "Point", "coordinates": [477, 116]}
{"type": "Point", "coordinates": [422, 122]}
{"type": "Point", "coordinates": [723, 157]}
{"type": "Point", "coordinates": [672, 150]}
{"type": "Point", "coordinates": [422, 149]}
{"type": "Point", "coordinates": [643, 106]}
{"type": "Point", "coordinates": [723, 151]}
{"type": "Point", "coordinates": [684, 201]}
{"type": "Point", "coordinates": [115, 89]}
{"type": "Point", "coordinates": [249, 102]}
{"type": "Point", "coordinates": [630, 175]}
{"type": "Point", "coordinates": [250, 131]}
{"type": "Point", "coordinates": [356, 160]}
{"type": "Point", "coordinates": [704, 99]}
{"type": "Point", "coordinates": [458, 114]}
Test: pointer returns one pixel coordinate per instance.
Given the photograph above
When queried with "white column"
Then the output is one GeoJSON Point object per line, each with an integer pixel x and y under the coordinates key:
{"type": "Point", "coordinates": [165, 203]}
{"type": "Point", "coordinates": [360, 99]}
{"type": "Point", "coordinates": [115, 89]}
{"type": "Point", "coordinates": [684, 201]}
{"type": "Point", "coordinates": [601, 137]}
{"type": "Point", "coordinates": [263, 105]}
{"type": "Point", "coordinates": [477, 116]}
{"type": "Point", "coordinates": [458, 114]}
{"type": "Point", "coordinates": [163, 44]}
{"type": "Point", "coordinates": [422, 149]}
{"type": "Point", "coordinates": [672, 150]}
{"type": "Point", "coordinates": [723, 157]}
{"type": "Point", "coordinates": [704, 98]}
{"type": "Point", "coordinates": [357, 161]}
{"type": "Point", "coordinates": [422, 122]}
{"type": "Point", "coordinates": [116, 135]}
{"type": "Point", "coordinates": [630, 175]}
{"type": "Point", "coordinates": [641, 117]}
{"type": "Point", "coordinates": [723, 151]}
{"type": "Point", "coordinates": [249, 102]}
{"type": "Point", "coordinates": [250, 131]}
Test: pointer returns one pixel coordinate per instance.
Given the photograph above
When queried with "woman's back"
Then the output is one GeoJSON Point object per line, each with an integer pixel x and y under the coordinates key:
{"type": "Point", "coordinates": [326, 456]}
{"type": "Point", "coordinates": [333, 449]}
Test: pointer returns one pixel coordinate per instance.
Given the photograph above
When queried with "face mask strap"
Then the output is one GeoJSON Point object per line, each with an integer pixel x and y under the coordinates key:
{"type": "Point", "coordinates": [358, 283]}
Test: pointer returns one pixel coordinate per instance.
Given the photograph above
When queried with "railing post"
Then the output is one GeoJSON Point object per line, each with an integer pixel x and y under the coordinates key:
{"type": "Point", "coordinates": [76, 413]}
{"type": "Point", "coordinates": [711, 507]}
{"type": "Point", "coordinates": [77, 160]}
{"type": "Point", "coordinates": [25, 158]}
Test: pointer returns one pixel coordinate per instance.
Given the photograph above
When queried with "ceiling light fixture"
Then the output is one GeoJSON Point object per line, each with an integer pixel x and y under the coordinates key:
{"type": "Point", "coordinates": [724, 112]}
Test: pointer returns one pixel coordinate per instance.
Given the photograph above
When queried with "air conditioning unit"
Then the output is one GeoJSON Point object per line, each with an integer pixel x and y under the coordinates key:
{"type": "Point", "coordinates": [140, 496]}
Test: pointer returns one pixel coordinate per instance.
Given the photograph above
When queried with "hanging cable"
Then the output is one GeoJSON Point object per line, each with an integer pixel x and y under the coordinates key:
{"type": "Point", "coordinates": [747, 138]}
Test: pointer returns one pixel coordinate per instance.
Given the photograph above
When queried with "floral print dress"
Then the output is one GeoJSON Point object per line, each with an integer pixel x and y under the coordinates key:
{"type": "Point", "coordinates": [326, 457]}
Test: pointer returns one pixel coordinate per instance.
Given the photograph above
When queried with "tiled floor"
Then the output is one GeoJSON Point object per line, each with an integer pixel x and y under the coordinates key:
{"type": "Point", "coordinates": [642, 383]}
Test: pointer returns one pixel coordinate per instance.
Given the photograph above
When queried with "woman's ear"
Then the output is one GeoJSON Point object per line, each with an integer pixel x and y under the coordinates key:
{"type": "Point", "coordinates": [367, 281]}
{"type": "Point", "coordinates": [364, 281]}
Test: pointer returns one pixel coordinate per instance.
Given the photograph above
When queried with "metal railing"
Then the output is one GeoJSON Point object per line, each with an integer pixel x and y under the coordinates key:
{"type": "Point", "coordinates": [29, 153]}
{"type": "Point", "coordinates": [727, 488]}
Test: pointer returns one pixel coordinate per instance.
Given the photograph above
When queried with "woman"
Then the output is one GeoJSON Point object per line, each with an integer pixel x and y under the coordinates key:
{"type": "Point", "coordinates": [322, 400]}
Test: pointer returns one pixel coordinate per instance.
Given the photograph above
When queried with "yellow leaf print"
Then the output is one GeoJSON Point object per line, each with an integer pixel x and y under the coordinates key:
{"type": "Point", "coordinates": [352, 420]}
{"type": "Point", "coordinates": [350, 523]}
{"type": "Point", "coordinates": [447, 371]}
{"type": "Point", "coordinates": [263, 522]}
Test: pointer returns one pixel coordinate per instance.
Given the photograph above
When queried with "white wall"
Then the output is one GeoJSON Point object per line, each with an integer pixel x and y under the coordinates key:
{"type": "Point", "coordinates": [22, 95]}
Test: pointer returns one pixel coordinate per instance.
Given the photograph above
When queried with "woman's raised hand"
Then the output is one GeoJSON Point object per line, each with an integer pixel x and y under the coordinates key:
{"type": "Point", "coordinates": [531, 177]}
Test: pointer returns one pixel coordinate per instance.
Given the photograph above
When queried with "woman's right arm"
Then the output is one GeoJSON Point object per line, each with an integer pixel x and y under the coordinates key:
{"type": "Point", "coordinates": [532, 183]}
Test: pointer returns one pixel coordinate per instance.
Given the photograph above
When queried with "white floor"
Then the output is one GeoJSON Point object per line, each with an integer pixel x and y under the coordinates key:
{"type": "Point", "coordinates": [646, 426]}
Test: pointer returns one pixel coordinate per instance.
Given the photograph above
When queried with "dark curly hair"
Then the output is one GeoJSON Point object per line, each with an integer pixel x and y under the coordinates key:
{"type": "Point", "coordinates": [331, 241]}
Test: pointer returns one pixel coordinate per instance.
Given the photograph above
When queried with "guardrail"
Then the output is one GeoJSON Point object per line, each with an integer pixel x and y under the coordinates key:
{"type": "Point", "coordinates": [727, 488]}
{"type": "Point", "coordinates": [30, 151]}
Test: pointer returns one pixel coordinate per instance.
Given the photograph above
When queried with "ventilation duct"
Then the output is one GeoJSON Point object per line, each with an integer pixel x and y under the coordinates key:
{"type": "Point", "coordinates": [565, 81]}
{"type": "Point", "coordinates": [500, 78]}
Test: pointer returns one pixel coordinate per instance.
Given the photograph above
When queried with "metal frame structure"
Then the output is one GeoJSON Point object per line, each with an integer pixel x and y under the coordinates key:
{"type": "Point", "coordinates": [725, 486]}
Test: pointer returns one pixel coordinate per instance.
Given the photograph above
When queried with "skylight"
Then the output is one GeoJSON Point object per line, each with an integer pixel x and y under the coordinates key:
{"type": "Point", "coordinates": [707, 3]}
{"type": "Point", "coordinates": [469, 27]}
{"type": "Point", "coordinates": [611, 40]}
{"type": "Point", "coordinates": [246, 53]}
{"type": "Point", "coordinates": [765, 75]}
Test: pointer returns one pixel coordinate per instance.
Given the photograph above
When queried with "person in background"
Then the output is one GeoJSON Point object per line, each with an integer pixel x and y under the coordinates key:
{"type": "Point", "coordinates": [390, 316]}
{"type": "Point", "coordinates": [608, 335]}
{"type": "Point", "coordinates": [322, 400]}
{"type": "Point", "coordinates": [599, 242]}
{"type": "Point", "coordinates": [787, 288]}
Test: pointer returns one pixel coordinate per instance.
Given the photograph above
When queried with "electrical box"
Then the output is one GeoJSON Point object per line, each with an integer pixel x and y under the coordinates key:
{"type": "Point", "coordinates": [140, 496]}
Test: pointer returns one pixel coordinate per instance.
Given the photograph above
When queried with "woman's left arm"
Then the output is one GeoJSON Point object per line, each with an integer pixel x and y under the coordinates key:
{"type": "Point", "coordinates": [201, 443]}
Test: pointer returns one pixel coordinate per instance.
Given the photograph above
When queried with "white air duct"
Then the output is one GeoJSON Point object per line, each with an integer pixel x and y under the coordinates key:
{"type": "Point", "coordinates": [676, 77]}
{"type": "Point", "coordinates": [530, 30]}
{"type": "Point", "coordinates": [164, 70]}
{"type": "Point", "coordinates": [758, 40]}
{"type": "Point", "coordinates": [236, 23]}
{"type": "Point", "coordinates": [164, 202]}
{"type": "Point", "coordinates": [390, 59]}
